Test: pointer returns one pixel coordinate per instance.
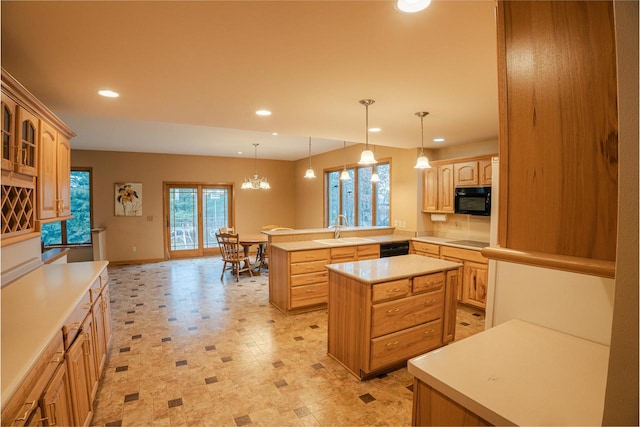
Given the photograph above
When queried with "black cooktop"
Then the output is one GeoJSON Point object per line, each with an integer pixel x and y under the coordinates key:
{"type": "Point", "coordinates": [470, 243]}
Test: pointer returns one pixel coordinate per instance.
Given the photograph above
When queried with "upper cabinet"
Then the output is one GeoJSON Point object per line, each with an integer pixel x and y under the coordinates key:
{"type": "Point", "coordinates": [36, 163]}
{"type": "Point", "coordinates": [440, 180]}
{"type": "Point", "coordinates": [558, 135]}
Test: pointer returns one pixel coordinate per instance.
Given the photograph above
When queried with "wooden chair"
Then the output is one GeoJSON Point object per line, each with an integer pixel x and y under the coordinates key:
{"type": "Point", "coordinates": [264, 254]}
{"type": "Point", "coordinates": [233, 255]}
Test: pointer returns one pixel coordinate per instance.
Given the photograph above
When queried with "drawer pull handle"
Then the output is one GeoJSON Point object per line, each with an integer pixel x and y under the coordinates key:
{"type": "Point", "coordinates": [32, 406]}
{"type": "Point", "coordinates": [395, 310]}
{"type": "Point", "coordinates": [310, 291]}
{"type": "Point", "coordinates": [393, 290]}
{"type": "Point", "coordinates": [57, 358]}
{"type": "Point", "coordinates": [53, 422]}
{"type": "Point", "coordinates": [74, 326]}
{"type": "Point", "coordinates": [429, 332]}
{"type": "Point", "coordinates": [391, 344]}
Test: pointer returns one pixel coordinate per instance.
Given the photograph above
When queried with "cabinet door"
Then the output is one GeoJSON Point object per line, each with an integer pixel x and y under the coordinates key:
{"type": "Point", "coordinates": [63, 172]}
{"type": "Point", "coordinates": [99, 342]}
{"type": "Point", "coordinates": [8, 132]}
{"type": "Point", "coordinates": [484, 170]}
{"type": "Point", "coordinates": [430, 190]}
{"type": "Point", "coordinates": [460, 281]}
{"type": "Point", "coordinates": [106, 307]}
{"type": "Point", "coordinates": [445, 188]}
{"type": "Point", "coordinates": [475, 284]}
{"type": "Point", "coordinates": [56, 401]}
{"type": "Point", "coordinates": [79, 382]}
{"type": "Point", "coordinates": [450, 305]}
{"type": "Point", "coordinates": [465, 174]}
{"type": "Point", "coordinates": [47, 178]}
{"type": "Point", "coordinates": [89, 354]}
{"type": "Point", "coordinates": [28, 128]}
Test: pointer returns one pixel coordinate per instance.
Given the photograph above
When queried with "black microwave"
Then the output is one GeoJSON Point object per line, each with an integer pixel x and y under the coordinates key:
{"type": "Point", "coordinates": [473, 200]}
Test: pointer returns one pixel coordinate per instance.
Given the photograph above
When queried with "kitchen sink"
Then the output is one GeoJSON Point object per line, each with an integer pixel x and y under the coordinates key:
{"type": "Point", "coordinates": [344, 241]}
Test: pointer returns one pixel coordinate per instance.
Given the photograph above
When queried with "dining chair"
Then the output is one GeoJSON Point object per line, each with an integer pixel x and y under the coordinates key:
{"type": "Point", "coordinates": [232, 255]}
{"type": "Point", "coordinates": [264, 253]}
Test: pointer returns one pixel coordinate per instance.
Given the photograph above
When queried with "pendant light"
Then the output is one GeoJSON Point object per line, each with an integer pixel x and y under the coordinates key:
{"type": "Point", "coordinates": [367, 157]}
{"type": "Point", "coordinates": [345, 174]}
{"type": "Point", "coordinates": [412, 6]}
{"type": "Point", "coordinates": [309, 174]}
{"type": "Point", "coordinates": [374, 175]}
{"type": "Point", "coordinates": [422, 162]}
{"type": "Point", "coordinates": [255, 182]}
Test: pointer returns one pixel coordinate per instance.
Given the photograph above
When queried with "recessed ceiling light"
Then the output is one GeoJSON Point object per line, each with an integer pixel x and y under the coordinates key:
{"type": "Point", "coordinates": [275, 134]}
{"type": "Point", "coordinates": [438, 139]}
{"type": "Point", "coordinates": [412, 6]}
{"type": "Point", "coordinates": [239, 152]}
{"type": "Point", "coordinates": [263, 112]}
{"type": "Point", "coordinates": [375, 130]}
{"type": "Point", "coordinates": [108, 93]}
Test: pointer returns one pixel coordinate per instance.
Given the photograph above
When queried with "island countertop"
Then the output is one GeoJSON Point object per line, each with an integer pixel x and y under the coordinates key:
{"type": "Point", "coordinates": [392, 268]}
{"type": "Point", "coordinates": [34, 309]}
{"type": "Point", "coordinates": [522, 374]}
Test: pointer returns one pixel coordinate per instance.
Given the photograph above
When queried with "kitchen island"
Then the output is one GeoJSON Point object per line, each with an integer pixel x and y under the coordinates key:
{"type": "Point", "coordinates": [384, 311]}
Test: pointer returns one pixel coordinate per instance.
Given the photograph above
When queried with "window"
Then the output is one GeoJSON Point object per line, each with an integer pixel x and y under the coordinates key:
{"type": "Point", "coordinates": [362, 202]}
{"type": "Point", "coordinates": [76, 231]}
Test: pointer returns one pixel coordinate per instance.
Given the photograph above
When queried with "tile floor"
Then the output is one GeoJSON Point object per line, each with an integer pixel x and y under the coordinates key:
{"type": "Point", "coordinates": [189, 349]}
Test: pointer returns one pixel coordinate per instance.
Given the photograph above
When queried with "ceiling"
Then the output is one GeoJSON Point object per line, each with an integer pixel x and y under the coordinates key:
{"type": "Point", "coordinates": [192, 74]}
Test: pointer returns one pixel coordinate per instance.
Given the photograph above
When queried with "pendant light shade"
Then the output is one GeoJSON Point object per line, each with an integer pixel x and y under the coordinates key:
{"type": "Point", "coordinates": [367, 157]}
{"type": "Point", "coordinates": [255, 182]}
{"type": "Point", "coordinates": [309, 174]}
{"type": "Point", "coordinates": [412, 6]}
{"type": "Point", "coordinates": [422, 162]}
{"type": "Point", "coordinates": [375, 177]}
{"type": "Point", "coordinates": [344, 175]}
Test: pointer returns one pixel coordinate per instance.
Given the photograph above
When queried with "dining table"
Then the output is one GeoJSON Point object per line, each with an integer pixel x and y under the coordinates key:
{"type": "Point", "coordinates": [248, 240]}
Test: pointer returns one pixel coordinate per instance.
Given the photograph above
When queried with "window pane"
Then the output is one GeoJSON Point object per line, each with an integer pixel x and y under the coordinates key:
{"type": "Point", "coordinates": [365, 197]}
{"type": "Point", "coordinates": [51, 234]}
{"type": "Point", "coordinates": [348, 199]}
{"type": "Point", "coordinates": [79, 228]}
{"type": "Point", "coordinates": [333, 196]}
{"type": "Point", "coordinates": [215, 212]}
{"type": "Point", "coordinates": [183, 218]}
{"type": "Point", "coordinates": [383, 194]}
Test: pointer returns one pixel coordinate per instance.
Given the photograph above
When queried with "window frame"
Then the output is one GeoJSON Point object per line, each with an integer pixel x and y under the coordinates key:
{"type": "Point", "coordinates": [354, 167]}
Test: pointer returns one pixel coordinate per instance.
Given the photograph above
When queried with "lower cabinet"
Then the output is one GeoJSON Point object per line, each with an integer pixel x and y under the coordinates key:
{"type": "Point", "coordinates": [432, 408]}
{"type": "Point", "coordinates": [60, 388]}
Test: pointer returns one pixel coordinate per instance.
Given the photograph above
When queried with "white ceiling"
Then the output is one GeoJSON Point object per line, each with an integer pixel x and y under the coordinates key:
{"type": "Point", "coordinates": [192, 74]}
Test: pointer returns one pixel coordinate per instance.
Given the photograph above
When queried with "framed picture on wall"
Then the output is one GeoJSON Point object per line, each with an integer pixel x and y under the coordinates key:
{"type": "Point", "coordinates": [128, 199]}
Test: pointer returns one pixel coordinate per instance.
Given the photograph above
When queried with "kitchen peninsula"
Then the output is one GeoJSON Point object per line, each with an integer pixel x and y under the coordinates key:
{"type": "Point", "coordinates": [384, 311]}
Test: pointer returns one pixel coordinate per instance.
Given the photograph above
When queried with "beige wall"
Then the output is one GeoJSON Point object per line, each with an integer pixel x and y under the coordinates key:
{"type": "Point", "coordinates": [253, 208]}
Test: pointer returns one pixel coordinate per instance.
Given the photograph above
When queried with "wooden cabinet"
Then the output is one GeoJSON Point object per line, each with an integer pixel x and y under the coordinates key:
{"type": "Point", "coordinates": [425, 249]}
{"type": "Point", "coordinates": [80, 380]}
{"type": "Point", "coordinates": [440, 181]}
{"type": "Point", "coordinates": [432, 408]}
{"type": "Point", "coordinates": [367, 252]}
{"type": "Point", "coordinates": [53, 174]}
{"type": "Point", "coordinates": [474, 277]}
{"type": "Point", "coordinates": [377, 327]}
{"type": "Point", "coordinates": [558, 135]}
{"type": "Point", "coordinates": [465, 174]}
{"type": "Point", "coordinates": [27, 131]}
{"type": "Point", "coordinates": [298, 279]}
{"type": "Point", "coordinates": [56, 401]}
{"type": "Point", "coordinates": [8, 132]}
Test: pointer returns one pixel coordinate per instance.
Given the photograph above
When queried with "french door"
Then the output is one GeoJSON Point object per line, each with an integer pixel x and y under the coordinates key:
{"type": "Point", "coordinates": [193, 215]}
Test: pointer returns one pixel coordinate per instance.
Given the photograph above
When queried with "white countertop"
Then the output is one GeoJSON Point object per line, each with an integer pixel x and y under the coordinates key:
{"type": "Point", "coordinates": [312, 244]}
{"type": "Point", "coordinates": [34, 308]}
{"type": "Point", "coordinates": [451, 242]}
{"type": "Point", "coordinates": [520, 373]}
{"type": "Point", "coordinates": [391, 268]}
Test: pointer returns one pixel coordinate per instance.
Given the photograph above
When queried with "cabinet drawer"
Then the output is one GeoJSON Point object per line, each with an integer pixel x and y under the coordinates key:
{"type": "Point", "coordinates": [466, 254]}
{"type": "Point", "coordinates": [400, 314]}
{"type": "Point", "coordinates": [400, 346]}
{"type": "Point", "coordinates": [309, 295]}
{"type": "Point", "coordinates": [429, 282]}
{"type": "Point", "coordinates": [308, 279]}
{"type": "Point", "coordinates": [390, 290]}
{"type": "Point", "coordinates": [343, 252]}
{"type": "Point", "coordinates": [368, 251]}
{"type": "Point", "coordinates": [308, 267]}
{"type": "Point", "coordinates": [74, 321]}
{"type": "Point", "coordinates": [305, 256]}
{"type": "Point", "coordinates": [424, 248]}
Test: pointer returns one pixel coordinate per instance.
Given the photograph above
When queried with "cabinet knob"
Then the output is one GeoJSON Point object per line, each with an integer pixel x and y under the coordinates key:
{"type": "Point", "coordinates": [395, 310]}
{"type": "Point", "coordinates": [391, 344]}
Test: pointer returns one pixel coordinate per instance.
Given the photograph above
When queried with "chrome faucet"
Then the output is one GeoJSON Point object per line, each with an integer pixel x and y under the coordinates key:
{"type": "Point", "coordinates": [337, 225]}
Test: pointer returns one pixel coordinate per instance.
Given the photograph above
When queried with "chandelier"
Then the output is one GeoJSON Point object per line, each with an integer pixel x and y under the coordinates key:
{"type": "Point", "coordinates": [367, 157]}
{"type": "Point", "coordinates": [255, 182]}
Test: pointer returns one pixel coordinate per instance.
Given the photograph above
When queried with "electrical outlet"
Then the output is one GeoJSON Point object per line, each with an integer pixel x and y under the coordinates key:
{"type": "Point", "coordinates": [133, 248]}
